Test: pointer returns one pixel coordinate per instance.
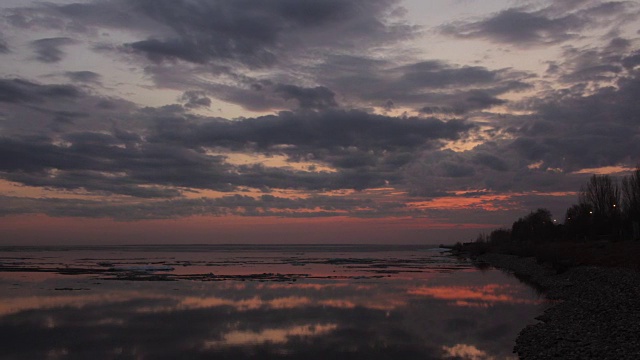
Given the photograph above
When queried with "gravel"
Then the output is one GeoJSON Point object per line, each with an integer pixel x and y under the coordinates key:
{"type": "Point", "coordinates": [595, 312]}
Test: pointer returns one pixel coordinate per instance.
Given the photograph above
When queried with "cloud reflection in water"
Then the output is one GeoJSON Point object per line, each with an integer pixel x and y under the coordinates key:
{"type": "Point", "coordinates": [464, 314]}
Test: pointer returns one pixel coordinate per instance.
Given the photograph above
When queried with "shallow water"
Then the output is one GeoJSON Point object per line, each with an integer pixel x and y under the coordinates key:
{"type": "Point", "coordinates": [241, 302]}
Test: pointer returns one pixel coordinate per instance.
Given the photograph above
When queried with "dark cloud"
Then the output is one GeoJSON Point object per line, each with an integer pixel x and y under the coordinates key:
{"type": "Point", "coordinates": [428, 86]}
{"type": "Point", "coordinates": [319, 60]}
{"type": "Point", "coordinates": [435, 74]}
{"type": "Point", "coordinates": [79, 17]}
{"type": "Point", "coordinates": [518, 27]}
{"type": "Point", "coordinates": [553, 24]}
{"type": "Point", "coordinates": [591, 131]}
{"type": "Point", "coordinates": [365, 150]}
{"type": "Point", "coordinates": [568, 130]}
{"type": "Point", "coordinates": [31, 108]}
{"type": "Point", "coordinates": [304, 132]}
{"type": "Point", "coordinates": [205, 30]}
{"type": "Point", "coordinates": [436, 174]}
{"type": "Point", "coordinates": [308, 98]}
{"type": "Point", "coordinates": [461, 103]}
{"type": "Point", "coordinates": [195, 99]}
{"type": "Point", "coordinates": [240, 205]}
{"type": "Point", "coordinates": [4, 47]}
{"type": "Point", "coordinates": [186, 41]}
{"type": "Point", "coordinates": [249, 32]}
{"type": "Point", "coordinates": [491, 161]}
{"type": "Point", "coordinates": [102, 162]}
{"type": "Point", "coordinates": [632, 61]}
{"type": "Point", "coordinates": [597, 65]}
{"type": "Point", "coordinates": [83, 76]}
{"type": "Point", "coordinates": [48, 50]}
{"type": "Point", "coordinates": [21, 91]}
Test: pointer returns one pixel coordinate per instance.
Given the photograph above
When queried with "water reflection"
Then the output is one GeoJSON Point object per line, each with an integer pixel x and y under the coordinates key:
{"type": "Point", "coordinates": [461, 314]}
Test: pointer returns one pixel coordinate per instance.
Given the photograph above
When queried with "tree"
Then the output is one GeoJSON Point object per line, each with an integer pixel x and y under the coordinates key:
{"type": "Point", "coordinates": [602, 196]}
{"type": "Point", "coordinates": [537, 226]}
{"type": "Point", "coordinates": [631, 202]}
{"type": "Point", "coordinates": [500, 236]}
{"type": "Point", "coordinates": [577, 222]}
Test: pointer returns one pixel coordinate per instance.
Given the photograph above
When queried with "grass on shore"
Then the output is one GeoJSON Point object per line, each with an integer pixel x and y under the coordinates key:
{"type": "Point", "coordinates": [563, 255]}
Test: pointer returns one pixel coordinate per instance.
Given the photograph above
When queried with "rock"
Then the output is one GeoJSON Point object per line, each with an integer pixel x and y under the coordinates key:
{"type": "Point", "coordinates": [597, 315]}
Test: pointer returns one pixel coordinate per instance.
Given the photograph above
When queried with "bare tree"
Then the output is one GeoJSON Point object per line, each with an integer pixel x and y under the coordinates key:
{"type": "Point", "coordinates": [602, 196]}
{"type": "Point", "coordinates": [577, 222]}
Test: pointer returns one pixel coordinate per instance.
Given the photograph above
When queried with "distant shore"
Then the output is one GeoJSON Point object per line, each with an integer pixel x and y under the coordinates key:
{"type": "Point", "coordinates": [597, 315]}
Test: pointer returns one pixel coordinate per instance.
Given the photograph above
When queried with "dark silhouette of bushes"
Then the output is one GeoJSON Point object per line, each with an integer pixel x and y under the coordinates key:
{"type": "Point", "coordinates": [605, 211]}
{"type": "Point", "coordinates": [631, 204]}
{"type": "Point", "coordinates": [538, 226]}
{"type": "Point", "coordinates": [577, 222]}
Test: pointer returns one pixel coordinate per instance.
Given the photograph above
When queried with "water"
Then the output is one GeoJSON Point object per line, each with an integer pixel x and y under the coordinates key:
{"type": "Point", "coordinates": [256, 302]}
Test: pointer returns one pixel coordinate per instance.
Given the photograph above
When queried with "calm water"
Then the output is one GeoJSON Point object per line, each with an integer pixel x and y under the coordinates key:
{"type": "Point", "coordinates": [256, 302]}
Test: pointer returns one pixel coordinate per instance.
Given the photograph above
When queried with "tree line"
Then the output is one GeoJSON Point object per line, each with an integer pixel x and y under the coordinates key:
{"type": "Point", "coordinates": [607, 209]}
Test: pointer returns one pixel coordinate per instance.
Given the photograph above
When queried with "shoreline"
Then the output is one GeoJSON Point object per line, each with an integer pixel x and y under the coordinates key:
{"type": "Point", "coordinates": [596, 316]}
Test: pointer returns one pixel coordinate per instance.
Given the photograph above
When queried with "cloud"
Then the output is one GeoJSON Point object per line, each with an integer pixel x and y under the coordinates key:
{"type": "Point", "coordinates": [588, 131]}
{"type": "Point", "coordinates": [461, 102]}
{"type": "Point", "coordinates": [549, 25]}
{"type": "Point", "coordinates": [166, 148]}
{"type": "Point", "coordinates": [206, 31]}
{"type": "Point", "coordinates": [431, 87]}
{"type": "Point", "coordinates": [320, 74]}
{"type": "Point", "coordinates": [208, 46]}
{"type": "Point", "coordinates": [595, 66]}
{"type": "Point", "coordinates": [567, 130]}
{"type": "Point", "coordinates": [239, 205]}
{"type": "Point", "coordinates": [248, 32]}
{"type": "Point", "coordinates": [37, 109]}
{"type": "Point", "coordinates": [520, 28]}
{"type": "Point", "coordinates": [48, 50]}
{"type": "Point", "coordinates": [97, 161]}
{"type": "Point", "coordinates": [588, 123]}
{"type": "Point", "coordinates": [582, 122]}
{"type": "Point", "coordinates": [22, 91]}
{"type": "Point", "coordinates": [83, 76]}
{"type": "Point", "coordinates": [366, 151]}
{"type": "Point", "coordinates": [436, 74]}
{"type": "Point", "coordinates": [308, 98]}
{"type": "Point", "coordinates": [436, 174]}
{"type": "Point", "coordinates": [4, 47]}
{"type": "Point", "coordinates": [328, 136]}
{"type": "Point", "coordinates": [217, 46]}
{"type": "Point", "coordinates": [195, 99]}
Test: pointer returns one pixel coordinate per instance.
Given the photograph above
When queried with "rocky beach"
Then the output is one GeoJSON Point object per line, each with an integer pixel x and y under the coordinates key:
{"type": "Point", "coordinates": [595, 311]}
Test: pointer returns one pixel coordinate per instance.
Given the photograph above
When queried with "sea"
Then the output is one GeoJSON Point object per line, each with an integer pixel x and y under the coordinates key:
{"type": "Point", "coordinates": [257, 302]}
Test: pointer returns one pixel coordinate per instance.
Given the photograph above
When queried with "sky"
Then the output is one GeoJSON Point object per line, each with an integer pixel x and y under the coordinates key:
{"type": "Point", "coordinates": [298, 121]}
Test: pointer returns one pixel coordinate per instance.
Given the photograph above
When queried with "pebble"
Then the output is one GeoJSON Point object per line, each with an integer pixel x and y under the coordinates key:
{"type": "Point", "coordinates": [597, 315]}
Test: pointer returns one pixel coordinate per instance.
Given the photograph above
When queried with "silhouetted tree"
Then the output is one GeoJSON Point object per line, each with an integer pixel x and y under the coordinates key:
{"type": "Point", "coordinates": [500, 236]}
{"type": "Point", "coordinates": [577, 222]}
{"type": "Point", "coordinates": [631, 202]}
{"type": "Point", "coordinates": [602, 195]}
{"type": "Point", "coordinates": [537, 227]}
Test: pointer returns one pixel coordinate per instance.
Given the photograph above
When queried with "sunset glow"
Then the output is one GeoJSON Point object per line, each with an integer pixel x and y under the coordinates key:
{"type": "Point", "coordinates": [383, 121]}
